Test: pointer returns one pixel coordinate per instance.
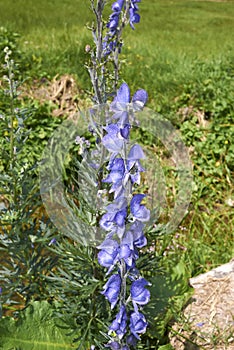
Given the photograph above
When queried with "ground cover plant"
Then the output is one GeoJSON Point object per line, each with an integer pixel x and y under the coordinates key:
{"type": "Point", "coordinates": [192, 76]}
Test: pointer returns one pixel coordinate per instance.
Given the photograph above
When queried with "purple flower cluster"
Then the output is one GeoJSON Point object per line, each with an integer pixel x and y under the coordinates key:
{"type": "Point", "coordinates": [113, 24]}
{"type": "Point", "coordinates": [124, 222]}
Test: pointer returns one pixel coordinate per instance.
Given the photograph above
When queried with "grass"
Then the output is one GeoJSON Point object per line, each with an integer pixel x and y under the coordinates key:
{"type": "Point", "coordinates": [171, 36]}
{"type": "Point", "coordinates": [165, 53]}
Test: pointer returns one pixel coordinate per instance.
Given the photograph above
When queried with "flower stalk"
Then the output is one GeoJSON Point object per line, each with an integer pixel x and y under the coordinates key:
{"type": "Point", "coordinates": [124, 221]}
{"type": "Point", "coordinates": [125, 216]}
{"type": "Point", "coordinates": [9, 64]}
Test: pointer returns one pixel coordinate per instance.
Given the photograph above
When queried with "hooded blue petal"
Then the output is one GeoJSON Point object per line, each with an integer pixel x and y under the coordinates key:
{"type": "Point", "coordinates": [139, 99]}
{"type": "Point", "coordinates": [136, 153]}
{"type": "Point", "coordinates": [113, 140]}
{"type": "Point", "coordinates": [138, 324]}
{"type": "Point", "coordinates": [140, 212]}
{"type": "Point", "coordinates": [120, 323]}
{"type": "Point", "coordinates": [123, 94]}
{"type": "Point", "coordinates": [118, 5]}
{"type": "Point", "coordinates": [107, 259]}
{"type": "Point", "coordinates": [114, 345]}
{"type": "Point", "coordinates": [121, 99]}
{"type": "Point", "coordinates": [139, 293]}
{"type": "Point", "coordinates": [112, 289]}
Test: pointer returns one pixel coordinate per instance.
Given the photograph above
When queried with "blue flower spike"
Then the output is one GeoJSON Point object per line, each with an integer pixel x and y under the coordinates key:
{"type": "Point", "coordinates": [115, 22]}
{"type": "Point", "coordinates": [124, 220]}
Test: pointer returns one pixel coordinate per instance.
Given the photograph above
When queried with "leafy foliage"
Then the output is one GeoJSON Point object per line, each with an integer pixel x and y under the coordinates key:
{"type": "Point", "coordinates": [25, 230]}
{"type": "Point", "coordinates": [208, 128]}
{"type": "Point", "coordinates": [76, 284]}
{"type": "Point", "coordinates": [170, 291]}
{"type": "Point", "coordinates": [35, 329]}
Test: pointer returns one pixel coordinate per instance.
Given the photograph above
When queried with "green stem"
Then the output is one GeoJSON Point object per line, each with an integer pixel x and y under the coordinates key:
{"type": "Point", "coordinates": [12, 117]}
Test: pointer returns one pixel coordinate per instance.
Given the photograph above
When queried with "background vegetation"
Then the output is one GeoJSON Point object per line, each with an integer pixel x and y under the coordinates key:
{"type": "Point", "coordinates": [182, 54]}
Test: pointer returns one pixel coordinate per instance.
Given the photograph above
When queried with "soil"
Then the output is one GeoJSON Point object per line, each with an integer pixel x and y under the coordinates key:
{"type": "Point", "coordinates": [208, 320]}
{"type": "Point", "coordinates": [62, 91]}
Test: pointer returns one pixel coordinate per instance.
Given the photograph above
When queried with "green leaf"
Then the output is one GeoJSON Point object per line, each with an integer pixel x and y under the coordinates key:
{"type": "Point", "coordinates": [35, 329]}
{"type": "Point", "coordinates": [169, 293]}
{"type": "Point", "coordinates": [166, 347]}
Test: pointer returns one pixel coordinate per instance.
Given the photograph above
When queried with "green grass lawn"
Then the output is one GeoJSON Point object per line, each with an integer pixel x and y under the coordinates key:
{"type": "Point", "coordinates": [171, 36]}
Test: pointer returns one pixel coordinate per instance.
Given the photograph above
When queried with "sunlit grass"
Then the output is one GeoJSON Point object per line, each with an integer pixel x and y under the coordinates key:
{"type": "Point", "coordinates": [169, 38]}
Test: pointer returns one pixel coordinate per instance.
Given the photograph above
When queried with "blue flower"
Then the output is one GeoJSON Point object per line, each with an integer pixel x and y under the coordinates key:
{"type": "Point", "coordinates": [139, 294]}
{"type": "Point", "coordinates": [134, 16]}
{"type": "Point", "coordinates": [112, 289]}
{"type": "Point", "coordinates": [113, 22]}
{"type": "Point", "coordinates": [107, 257]}
{"type": "Point", "coordinates": [108, 47]}
{"type": "Point", "coordinates": [122, 104]}
{"type": "Point", "coordinates": [132, 340]}
{"type": "Point", "coordinates": [114, 345]}
{"type": "Point", "coordinates": [133, 164]}
{"type": "Point", "coordinates": [120, 323]}
{"type": "Point", "coordinates": [138, 324]}
{"type": "Point", "coordinates": [116, 214]}
{"type": "Point", "coordinates": [118, 5]}
{"type": "Point", "coordinates": [135, 153]}
{"type": "Point", "coordinates": [113, 141]}
{"type": "Point", "coordinates": [125, 130]}
{"type": "Point", "coordinates": [139, 211]}
{"type": "Point", "coordinates": [139, 239]}
{"type": "Point", "coordinates": [116, 176]}
{"type": "Point", "coordinates": [128, 251]}
{"type": "Point", "coordinates": [123, 98]}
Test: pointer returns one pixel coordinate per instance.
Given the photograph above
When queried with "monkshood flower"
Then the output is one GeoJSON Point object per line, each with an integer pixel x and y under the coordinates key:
{"type": "Point", "coordinates": [122, 103]}
{"type": "Point", "coordinates": [139, 294]}
{"type": "Point", "coordinates": [118, 5]}
{"type": "Point", "coordinates": [128, 252]}
{"type": "Point", "coordinates": [113, 141]}
{"type": "Point", "coordinates": [138, 324]}
{"type": "Point", "coordinates": [117, 133]}
{"type": "Point", "coordinates": [116, 175]}
{"type": "Point", "coordinates": [139, 211]}
{"type": "Point", "coordinates": [115, 216]}
{"type": "Point", "coordinates": [112, 289]}
{"type": "Point", "coordinates": [120, 174]}
{"type": "Point", "coordinates": [136, 230]}
{"type": "Point", "coordinates": [114, 345]}
{"type": "Point", "coordinates": [133, 165]}
{"type": "Point", "coordinates": [108, 256]}
{"type": "Point", "coordinates": [119, 325]}
{"type": "Point", "coordinates": [111, 252]}
{"type": "Point", "coordinates": [134, 17]}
